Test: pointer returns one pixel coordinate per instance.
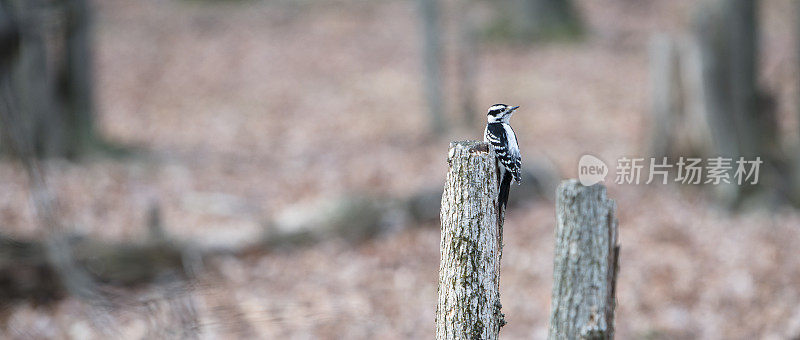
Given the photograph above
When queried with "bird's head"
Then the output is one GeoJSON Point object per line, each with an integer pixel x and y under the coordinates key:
{"type": "Point", "coordinates": [500, 113]}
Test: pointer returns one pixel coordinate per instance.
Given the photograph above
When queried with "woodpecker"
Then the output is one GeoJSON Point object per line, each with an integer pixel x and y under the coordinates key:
{"type": "Point", "coordinates": [502, 138]}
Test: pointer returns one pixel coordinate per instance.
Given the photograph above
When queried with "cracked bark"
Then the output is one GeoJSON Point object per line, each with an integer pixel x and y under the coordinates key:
{"type": "Point", "coordinates": [586, 263]}
{"type": "Point", "coordinates": [471, 246]}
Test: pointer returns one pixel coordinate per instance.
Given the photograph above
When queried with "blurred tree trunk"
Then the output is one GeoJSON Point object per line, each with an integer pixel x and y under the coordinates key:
{"type": "Point", "coordinates": [32, 122]}
{"type": "Point", "coordinates": [75, 78]}
{"type": "Point", "coordinates": [678, 115]}
{"type": "Point", "coordinates": [9, 37]}
{"type": "Point", "coordinates": [529, 20]}
{"type": "Point", "coordinates": [664, 94]}
{"type": "Point", "coordinates": [50, 78]}
{"type": "Point", "coordinates": [741, 116]}
{"type": "Point", "coordinates": [719, 109]}
{"type": "Point", "coordinates": [467, 65]}
{"type": "Point", "coordinates": [432, 52]}
{"type": "Point", "coordinates": [796, 151]}
{"type": "Point", "coordinates": [471, 246]}
{"type": "Point", "coordinates": [727, 32]}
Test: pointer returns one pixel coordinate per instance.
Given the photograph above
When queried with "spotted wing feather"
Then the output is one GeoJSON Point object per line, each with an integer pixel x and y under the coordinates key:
{"type": "Point", "coordinates": [504, 142]}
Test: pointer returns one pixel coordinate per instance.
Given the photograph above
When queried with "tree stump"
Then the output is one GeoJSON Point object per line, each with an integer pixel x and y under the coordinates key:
{"type": "Point", "coordinates": [586, 263]}
{"type": "Point", "coordinates": [471, 246]}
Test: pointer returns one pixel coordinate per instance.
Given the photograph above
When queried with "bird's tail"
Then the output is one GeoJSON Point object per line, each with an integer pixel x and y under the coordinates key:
{"type": "Point", "coordinates": [505, 188]}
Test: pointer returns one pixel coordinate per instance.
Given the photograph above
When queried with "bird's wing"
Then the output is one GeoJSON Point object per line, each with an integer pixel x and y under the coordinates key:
{"type": "Point", "coordinates": [516, 157]}
{"type": "Point", "coordinates": [496, 135]}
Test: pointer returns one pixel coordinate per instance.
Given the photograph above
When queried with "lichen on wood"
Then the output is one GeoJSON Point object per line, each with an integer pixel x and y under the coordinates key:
{"type": "Point", "coordinates": [586, 263]}
{"type": "Point", "coordinates": [469, 271]}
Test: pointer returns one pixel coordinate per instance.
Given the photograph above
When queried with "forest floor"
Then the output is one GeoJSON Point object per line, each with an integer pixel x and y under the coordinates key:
{"type": "Point", "coordinates": [243, 109]}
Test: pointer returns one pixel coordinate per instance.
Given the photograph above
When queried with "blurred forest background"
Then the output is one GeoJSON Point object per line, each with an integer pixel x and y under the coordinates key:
{"type": "Point", "coordinates": [273, 169]}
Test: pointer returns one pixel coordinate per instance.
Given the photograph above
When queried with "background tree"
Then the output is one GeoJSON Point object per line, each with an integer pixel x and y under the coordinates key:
{"type": "Point", "coordinates": [432, 52]}
{"type": "Point", "coordinates": [49, 75]}
{"type": "Point", "coordinates": [528, 20]}
{"type": "Point", "coordinates": [707, 101]}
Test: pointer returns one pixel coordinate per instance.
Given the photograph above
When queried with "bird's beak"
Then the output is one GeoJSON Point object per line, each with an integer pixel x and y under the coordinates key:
{"type": "Point", "coordinates": [513, 108]}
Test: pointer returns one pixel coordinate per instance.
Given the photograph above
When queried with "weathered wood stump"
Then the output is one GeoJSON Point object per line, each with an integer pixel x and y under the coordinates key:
{"type": "Point", "coordinates": [471, 246]}
{"type": "Point", "coordinates": [586, 263]}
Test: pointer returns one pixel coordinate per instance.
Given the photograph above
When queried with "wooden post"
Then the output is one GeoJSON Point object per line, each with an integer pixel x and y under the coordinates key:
{"type": "Point", "coordinates": [586, 263]}
{"type": "Point", "coordinates": [469, 271]}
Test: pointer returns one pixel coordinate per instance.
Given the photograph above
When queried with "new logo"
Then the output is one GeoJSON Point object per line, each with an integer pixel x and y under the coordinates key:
{"type": "Point", "coordinates": [591, 170]}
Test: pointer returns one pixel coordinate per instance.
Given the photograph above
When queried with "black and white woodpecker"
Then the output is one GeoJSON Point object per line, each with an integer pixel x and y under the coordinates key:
{"type": "Point", "coordinates": [502, 138]}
